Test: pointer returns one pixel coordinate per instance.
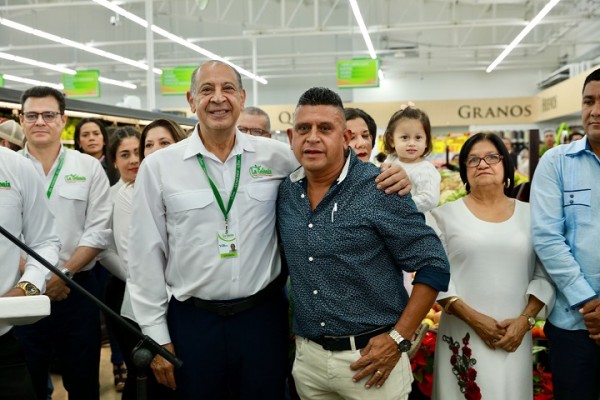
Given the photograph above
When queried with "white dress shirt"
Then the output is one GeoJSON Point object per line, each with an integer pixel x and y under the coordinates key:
{"type": "Point", "coordinates": [176, 218]}
{"type": "Point", "coordinates": [24, 214]}
{"type": "Point", "coordinates": [121, 222]}
{"type": "Point", "coordinates": [79, 201]}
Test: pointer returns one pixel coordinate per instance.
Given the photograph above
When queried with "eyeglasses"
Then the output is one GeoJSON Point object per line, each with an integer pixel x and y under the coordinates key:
{"type": "Point", "coordinates": [254, 131]}
{"type": "Point", "coordinates": [47, 116]}
{"type": "Point", "coordinates": [490, 159]}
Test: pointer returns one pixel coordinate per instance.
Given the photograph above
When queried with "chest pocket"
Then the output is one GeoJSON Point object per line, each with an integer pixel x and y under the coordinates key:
{"type": "Point", "coordinates": [188, 214]}
{"type": "Point", "coordinates": [577, 205]}
{"type": "Point", "coordinates": [73, 192]}
{"type": "Point", "coordinates": [263, 191]}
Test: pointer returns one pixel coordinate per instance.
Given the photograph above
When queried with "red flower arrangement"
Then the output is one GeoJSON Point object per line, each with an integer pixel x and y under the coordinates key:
{"type": "Point", "coordinates": [542, 384]}
{"type": "Point", "coordinates": [422, 364]}
{"type": "Point", "coordinates": [462, 367]}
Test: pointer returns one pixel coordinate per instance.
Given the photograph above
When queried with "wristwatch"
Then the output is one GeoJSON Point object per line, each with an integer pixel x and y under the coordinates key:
{"type": "Point", "coordinates": [404, 345]}
{"type": "Point", "coordinates": [530, 320]}
{"type": "Point", "coordinates": [67, 272]}
{"type": "Point", "coordinates": [29, 288]}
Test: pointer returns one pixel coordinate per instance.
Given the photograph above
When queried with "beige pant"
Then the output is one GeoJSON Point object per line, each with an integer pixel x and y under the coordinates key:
{"type": "Point", "coordinates": [326, 375]}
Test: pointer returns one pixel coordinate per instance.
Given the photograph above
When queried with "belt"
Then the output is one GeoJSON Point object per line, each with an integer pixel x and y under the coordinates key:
{"type": "Point", "coordinates": [342, 343]}
{"type": "Point", "coordinates": [228, 308]}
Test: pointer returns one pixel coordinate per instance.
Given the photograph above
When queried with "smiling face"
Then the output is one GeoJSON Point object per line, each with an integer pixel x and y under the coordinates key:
{"type": "Point", "coordinates": [590, 114]}
{"type": "Point", "coordinates": [91, 140]}
{"type": "Point", "coordinates": [218, 98]}
{"type": "Point", "coordinates": [319, 139]}
{"type": "Point", "coordinates": [157, 138]}
{"type": "Point", "coordinates": [409, 140]}
{"type": "Point", "coordinates": [484, 174]}
{"type": "Point", "coordinates": [41, 134]}
{"type": "Point", "coordinates": [127, 159]}
{"type": "Point", "coordinates": [360, 139]}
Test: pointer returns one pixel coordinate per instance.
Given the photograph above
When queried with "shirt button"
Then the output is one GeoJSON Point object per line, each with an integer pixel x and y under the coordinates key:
{"type": "Point", "coordinates": [315, 291]}
{"type": "Point", "coordinates": [235, 278]}
{"type": "Point", "coordinates": [302, 196]}
{"type": "Point", "coordinates": [310, 259]}
{"type": "Point", "coordinates": [572, 196]}
{"type": "Point", "coordinates": [571, 201]}
{"type": "Point", "coordinates": [310, 225]}
{"type": "Point", "coordinates": [322, 323]}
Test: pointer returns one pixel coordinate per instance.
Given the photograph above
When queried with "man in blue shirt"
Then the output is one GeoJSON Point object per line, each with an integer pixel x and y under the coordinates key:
{"type": "Point", "coordinates": [565, 210]}
{"type": "Point", "coordinates": [346, 244]}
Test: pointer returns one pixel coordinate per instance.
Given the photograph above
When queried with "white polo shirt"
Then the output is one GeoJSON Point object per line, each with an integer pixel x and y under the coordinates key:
{"type": "Point", "coordinates": [25, 215]}
{"type": "Point", "coordinates": [176, 218]}
{"type": "Point", "coordinates": [79, 200]}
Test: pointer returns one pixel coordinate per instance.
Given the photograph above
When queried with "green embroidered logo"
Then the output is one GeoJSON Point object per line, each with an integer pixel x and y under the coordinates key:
{"type": "Point", "coordinates": [258, 171]}
{"type": "Point", "coordinates": [73, 178]}
{"type": "Point", "coordinates": [5, 185]}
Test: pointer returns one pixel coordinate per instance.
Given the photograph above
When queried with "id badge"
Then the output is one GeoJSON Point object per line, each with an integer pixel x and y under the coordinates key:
{"type": "Point", "coordinates": [228, 247]}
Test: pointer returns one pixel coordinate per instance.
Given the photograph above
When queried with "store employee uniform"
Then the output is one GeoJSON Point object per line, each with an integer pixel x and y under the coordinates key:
{"type": "Point", "coordinates": [25, 214]}
{"type": "Point", "coordinates": [227, 317]}
{"type": "Point", "coordinates": [78, 195]}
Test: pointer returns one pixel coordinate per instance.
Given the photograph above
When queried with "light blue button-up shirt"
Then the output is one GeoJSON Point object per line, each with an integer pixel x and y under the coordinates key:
{"type": "Point", "coordinates": [565, 219]}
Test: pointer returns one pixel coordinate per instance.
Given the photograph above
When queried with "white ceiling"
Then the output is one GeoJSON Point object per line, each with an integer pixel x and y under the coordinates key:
{"type": "Point", "coordinates": [300, 39]}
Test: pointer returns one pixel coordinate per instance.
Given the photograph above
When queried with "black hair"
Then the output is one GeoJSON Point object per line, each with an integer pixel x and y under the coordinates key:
{"type": "Point", "coordinates": [44, 91]}
{"type": "Point", "coordinates": [509, 168]}
{"type": "Point", "coordinates": [594, 76]}
{"type": "Point", "coordinates": [356, 113]}
{"type": "Point", "coordinates": [117, 138]}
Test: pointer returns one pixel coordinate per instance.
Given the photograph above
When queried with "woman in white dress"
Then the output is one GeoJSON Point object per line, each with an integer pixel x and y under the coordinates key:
{"type": "Point", "coordinates": [496, 289]}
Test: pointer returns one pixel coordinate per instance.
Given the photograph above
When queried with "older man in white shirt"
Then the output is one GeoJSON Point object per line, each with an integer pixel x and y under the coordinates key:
{"type": "Point", "coordinates": [77, 192]}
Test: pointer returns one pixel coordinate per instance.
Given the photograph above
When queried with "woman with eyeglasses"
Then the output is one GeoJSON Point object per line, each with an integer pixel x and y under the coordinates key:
{"type": "Point", "coordinates": [497, 286]}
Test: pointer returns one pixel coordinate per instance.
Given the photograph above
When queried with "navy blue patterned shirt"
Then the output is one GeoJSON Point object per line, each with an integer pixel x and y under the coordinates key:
{"type": "Point", "coordinates": [346, 257]}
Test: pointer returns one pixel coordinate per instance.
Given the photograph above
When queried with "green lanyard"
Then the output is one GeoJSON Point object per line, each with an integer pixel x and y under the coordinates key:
{"type": "Point", "coordinates": [58, 168]}
{"type": "Point", "coordinates": [238, 168]}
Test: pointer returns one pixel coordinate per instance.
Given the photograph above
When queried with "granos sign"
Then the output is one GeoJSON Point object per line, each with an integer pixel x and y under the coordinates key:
{"type": "Point", "coordinates": [508, 111]}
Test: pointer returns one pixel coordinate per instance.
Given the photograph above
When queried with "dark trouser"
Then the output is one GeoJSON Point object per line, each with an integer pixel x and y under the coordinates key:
{"type": "Point", "coordinates": [574, 363]}
{"type": "Point", "coordinates": [15, 383]}
{"type": "Point", "coordinates": [127, 341]}
{"type": "Point", "coordinates": [73, 331]}
{"type": "Point", "coordinates": [103, 277]}
{"type": "Point", "coordinates": [243, 356]}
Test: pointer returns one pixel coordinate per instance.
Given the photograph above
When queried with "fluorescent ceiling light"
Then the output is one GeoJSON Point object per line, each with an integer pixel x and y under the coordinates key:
{"type": "Point", "coordinates": [29, 61]}
{"type": "Point", "coordinates": [31, 81]}
{"type": "Point", "coordinates": [114, 82]}
{"type": "Point", "coordinates": [522, 35]}
{"type": "Point", "coordinates": [365, 33]}
{"type": "Point", "coordinates": [64, 70]}
{"type": "Point", "coordinates": [80, 46]}
{"type": "Point", "coordinates": [177, 39]}
{"type": "Point", "coordinates": [363, 28]}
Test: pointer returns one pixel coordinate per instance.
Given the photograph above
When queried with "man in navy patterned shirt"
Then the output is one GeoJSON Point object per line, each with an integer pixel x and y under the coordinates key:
{"type": "Point", "coordinates": [346, 245]}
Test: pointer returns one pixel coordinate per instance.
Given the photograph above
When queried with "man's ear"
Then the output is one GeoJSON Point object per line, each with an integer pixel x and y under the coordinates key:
{"type": "Point", "coordinates": [190, 100]}
{"type": "Point", "coordinates": [347, 137]}
{"type": "Point", "coordinates": [289, 135]}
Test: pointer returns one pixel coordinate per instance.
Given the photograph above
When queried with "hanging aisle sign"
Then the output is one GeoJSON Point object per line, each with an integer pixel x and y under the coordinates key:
{"type": "Point", "coordinates": [176, 81]}
{"type": "Point", "coordinates": [1, 80]}
{"type": "Point", "coordinates": [83, 84]}
{"type": "Point", "coordinates": [357, 73]}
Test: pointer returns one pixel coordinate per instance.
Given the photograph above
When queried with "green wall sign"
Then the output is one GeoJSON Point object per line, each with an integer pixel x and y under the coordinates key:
{"type": "Point", "coordinates": [357, 73]}
{"type": "Point", "coordinates": [176, 81]}
{"type": "Point", "coordinates": [83, 84]}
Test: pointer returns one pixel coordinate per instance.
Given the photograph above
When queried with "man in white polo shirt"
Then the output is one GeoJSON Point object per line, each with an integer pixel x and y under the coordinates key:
{"type": "Point", "coordinates": [78, 195]}
{"type": "Point", "coordinates": [24, 214]}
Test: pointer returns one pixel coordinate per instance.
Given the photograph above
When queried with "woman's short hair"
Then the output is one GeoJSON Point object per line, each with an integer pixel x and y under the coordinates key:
{"type": "Point", "coordinates": [117, 137]}
{"type": "Point", "coordinates": [356, 113]}
{"type": "Point", "coordinates": [509, 168]}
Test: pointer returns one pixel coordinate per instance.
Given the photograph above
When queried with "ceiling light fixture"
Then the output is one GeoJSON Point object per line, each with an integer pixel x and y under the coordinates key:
{"type": "Point", "coordinates": [13, 78]}
{"type": "Point", "coordinates": [35, 63]}
{"type": "Point", "coordinates": [177, 39]}
{"type": "Point", "coordinates": [522, 34]}
{"type": "Point", "coordinates": [80, 46]}
{"type": "Point", "coordinates": [365, 33]}
{"type": "Point", "coordinates": [64, 70]}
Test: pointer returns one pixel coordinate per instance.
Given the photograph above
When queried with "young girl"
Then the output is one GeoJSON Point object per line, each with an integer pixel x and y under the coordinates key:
{"type": "Point", "coordinates": [407, 140]}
